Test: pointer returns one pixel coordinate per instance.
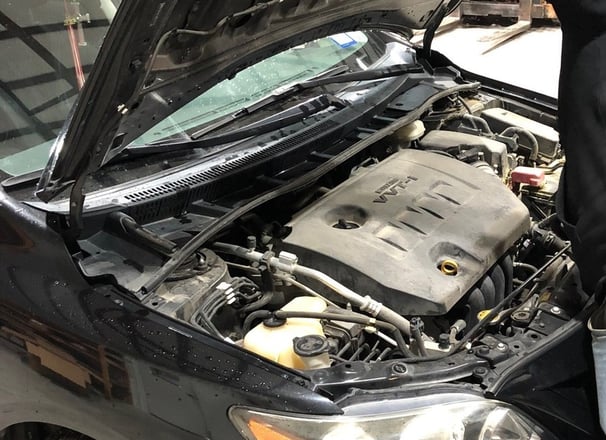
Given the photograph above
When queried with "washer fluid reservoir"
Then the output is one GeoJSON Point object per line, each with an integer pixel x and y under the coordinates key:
{"type": "Point", "coordinates": [277, 343]}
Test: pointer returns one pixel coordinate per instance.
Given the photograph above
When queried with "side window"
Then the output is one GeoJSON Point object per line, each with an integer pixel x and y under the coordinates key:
{"type": "Point", "coordinates": [48, 48]}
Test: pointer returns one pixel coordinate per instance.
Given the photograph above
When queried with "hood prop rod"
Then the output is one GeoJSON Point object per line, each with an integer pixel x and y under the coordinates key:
{"type": "Point", "coordinates": [432, 26]}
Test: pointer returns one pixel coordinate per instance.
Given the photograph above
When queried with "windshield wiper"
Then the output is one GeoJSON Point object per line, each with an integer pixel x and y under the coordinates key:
{"type": "Point", "coordinates": [280, 120]}
{"type": "Point", "coordinates": [334, 76]}
{"type": "Point", "coordinates": [276, 96]}
{"type": "Point", "coordinates": [200, 139]}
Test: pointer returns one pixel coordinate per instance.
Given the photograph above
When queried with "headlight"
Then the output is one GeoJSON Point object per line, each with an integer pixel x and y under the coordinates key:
{"type": "Point", "coordinates": [467, 418]}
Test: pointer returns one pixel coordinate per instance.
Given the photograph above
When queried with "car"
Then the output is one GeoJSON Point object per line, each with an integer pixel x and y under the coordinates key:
{"type": "Point", "coordinates": [278, 220]}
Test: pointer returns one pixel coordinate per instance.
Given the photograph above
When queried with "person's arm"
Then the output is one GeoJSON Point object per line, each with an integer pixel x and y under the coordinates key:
{"type": "Point", "coordinates": [588, 17]}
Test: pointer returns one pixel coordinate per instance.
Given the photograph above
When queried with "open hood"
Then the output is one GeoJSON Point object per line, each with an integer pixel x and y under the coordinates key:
{"type": "Point", "coordinates": [160, 54]}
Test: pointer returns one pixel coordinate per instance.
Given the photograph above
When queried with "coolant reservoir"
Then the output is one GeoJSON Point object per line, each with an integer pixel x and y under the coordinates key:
{"type": "Point", "coordinates": [276, 343]}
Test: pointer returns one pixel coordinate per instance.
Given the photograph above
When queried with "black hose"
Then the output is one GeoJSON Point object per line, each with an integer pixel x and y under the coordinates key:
{"type": "Point", "coordinates": [477, 123]}
{"type": "Point", "coordinates": [534, 144]}
{"type": "Point", "coordinates": [464, 104]}
{"type": "Point", "coordinates": [478, 120]}
{"type": "Point", "coordinates": [127, 226]}
{"type": "Point", "coordinates": [546, 222]}
{"type": "Point", "coordinates": [416, 334]}
{"type": "Point", "coordinates": [258, 314]}
{"type": "Point", "coordinates": [212, 310]}
{"type": "Point", "coordinates": [258, 304]}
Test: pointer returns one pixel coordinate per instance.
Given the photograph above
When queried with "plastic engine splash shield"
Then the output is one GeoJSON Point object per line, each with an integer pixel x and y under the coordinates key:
{"type": "Point", "coordinates": [386, 230]}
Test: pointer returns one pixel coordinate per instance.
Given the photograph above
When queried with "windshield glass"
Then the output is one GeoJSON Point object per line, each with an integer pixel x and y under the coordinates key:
{"type": "Point", "coordinates": [294, 65]}
{"type": "Point", "coordinates": [48, 47]}
{"type": "Point", "coordinates": [355, 50]}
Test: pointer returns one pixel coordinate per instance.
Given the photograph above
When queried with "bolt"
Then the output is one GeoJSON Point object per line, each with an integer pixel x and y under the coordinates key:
{"type": "Point", "coordinates": [501, 346]}
{"type": "Point", "coordinates": [444, 341]}
{"type": "Point", "coordinates": [399, 368]}
{"type": "Point", "coordinates": [556, 310]}
{"type": "Point", "coordinates": [483, 350]}
{"type": "Point", "coordinates": [480, 371]}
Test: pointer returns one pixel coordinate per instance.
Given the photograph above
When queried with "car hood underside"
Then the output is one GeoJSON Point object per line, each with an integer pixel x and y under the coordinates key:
{"type": "Point", "coordinates": [160, 55]}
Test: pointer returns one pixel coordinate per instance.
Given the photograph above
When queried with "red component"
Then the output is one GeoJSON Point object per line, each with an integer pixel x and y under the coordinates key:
{"type": "Point", "coordinates": [528, 176]}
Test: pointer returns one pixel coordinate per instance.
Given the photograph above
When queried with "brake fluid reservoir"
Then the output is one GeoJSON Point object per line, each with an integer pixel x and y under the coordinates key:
{"type": "Point", "coordinates": [276, 343]}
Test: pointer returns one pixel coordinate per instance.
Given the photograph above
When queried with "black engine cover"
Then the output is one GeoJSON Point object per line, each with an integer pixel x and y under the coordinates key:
{"type": "Point", "coordinates": [387, 230]}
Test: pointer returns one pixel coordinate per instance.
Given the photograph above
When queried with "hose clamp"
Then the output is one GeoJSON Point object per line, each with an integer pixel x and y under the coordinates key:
{"type": "Point", "coordinates": [371, 306]}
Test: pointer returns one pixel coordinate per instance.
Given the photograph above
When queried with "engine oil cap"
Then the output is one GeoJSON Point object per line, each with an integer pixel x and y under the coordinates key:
{"type": "Point", "coordinates": [310, 345]}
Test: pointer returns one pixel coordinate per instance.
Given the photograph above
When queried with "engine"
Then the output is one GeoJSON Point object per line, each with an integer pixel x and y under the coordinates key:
{"type": "Point", "coordinates": [416, 231]}
{"type": "Point", "coordinates": [394, 256]}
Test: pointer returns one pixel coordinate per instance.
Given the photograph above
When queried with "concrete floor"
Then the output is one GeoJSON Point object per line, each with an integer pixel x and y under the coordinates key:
{"type": "Point", "coordinates": [532, 60]}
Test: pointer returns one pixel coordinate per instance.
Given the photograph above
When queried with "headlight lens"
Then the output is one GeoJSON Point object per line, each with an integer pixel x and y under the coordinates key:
{"type": "Point", "coordinates": [465, 419]}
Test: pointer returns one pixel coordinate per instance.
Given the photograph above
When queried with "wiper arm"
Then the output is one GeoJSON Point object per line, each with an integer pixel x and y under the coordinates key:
{"type": "Point", "coordinates": [334, 76]}
{"type": "Point", "coordinates": [275, 122]}
{"type": "Point", "coordinates": [278, 95]}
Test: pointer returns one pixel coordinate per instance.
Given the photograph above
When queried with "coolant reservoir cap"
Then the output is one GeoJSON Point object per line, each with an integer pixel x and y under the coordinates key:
{"type": "Point", "coordinates": [310, 345]}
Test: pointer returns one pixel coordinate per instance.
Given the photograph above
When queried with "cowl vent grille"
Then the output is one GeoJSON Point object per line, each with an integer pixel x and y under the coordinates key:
{"type": "Point", "coordinates": [209, 175]}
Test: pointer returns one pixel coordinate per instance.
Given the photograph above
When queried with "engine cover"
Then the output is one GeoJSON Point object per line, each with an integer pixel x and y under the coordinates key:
{"type": "Point", "coordinates": [387, 230]}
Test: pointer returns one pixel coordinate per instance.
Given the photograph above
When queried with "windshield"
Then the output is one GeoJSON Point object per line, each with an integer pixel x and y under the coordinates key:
{"type": "Point", "coordinates": [48, 47]}
{"type": "Point", "coordinates": [354, 50]}
{"type": "Point", "coordinates": [294, 65]}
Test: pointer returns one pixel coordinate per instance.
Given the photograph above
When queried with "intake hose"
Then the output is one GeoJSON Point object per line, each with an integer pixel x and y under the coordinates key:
{"type": "Point", "coordinates": [534, 144]}
{"type": "Point", "coordinates": [287, 262]}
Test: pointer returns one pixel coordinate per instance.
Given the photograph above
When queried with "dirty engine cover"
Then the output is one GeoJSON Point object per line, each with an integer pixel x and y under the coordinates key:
{"type": "Point", "coordinates": [386, 231]}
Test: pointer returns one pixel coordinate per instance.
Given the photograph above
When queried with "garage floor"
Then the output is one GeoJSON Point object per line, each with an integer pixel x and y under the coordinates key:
{"type": "Point", "coordinates": [532, 60]}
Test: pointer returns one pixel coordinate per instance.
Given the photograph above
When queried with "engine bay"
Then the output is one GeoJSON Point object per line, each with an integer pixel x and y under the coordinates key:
{"type": "Point", "coordinates": [443, 236]}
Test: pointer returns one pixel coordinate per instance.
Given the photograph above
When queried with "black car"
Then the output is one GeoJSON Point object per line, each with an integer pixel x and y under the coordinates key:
{"type": "Point", "coordinates": [277, 220]}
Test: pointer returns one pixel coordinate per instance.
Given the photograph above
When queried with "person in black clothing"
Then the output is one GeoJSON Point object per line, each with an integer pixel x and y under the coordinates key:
{"type": "Point", "coordinates": [582, 126]}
